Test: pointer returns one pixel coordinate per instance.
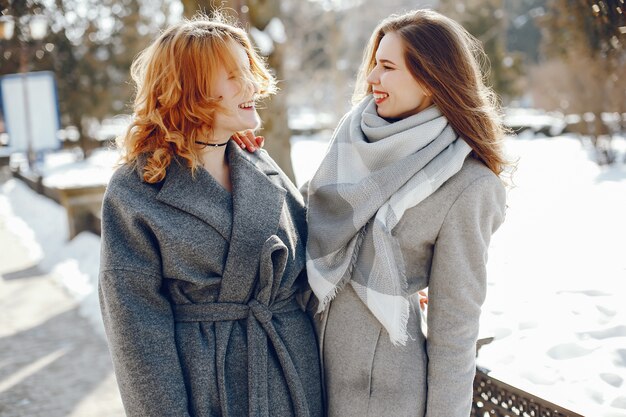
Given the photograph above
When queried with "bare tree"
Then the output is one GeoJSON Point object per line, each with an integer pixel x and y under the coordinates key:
{"type": "Point", "coordinates": [90, 55]}
{"type": "Point", "coordinates": [583, 38]}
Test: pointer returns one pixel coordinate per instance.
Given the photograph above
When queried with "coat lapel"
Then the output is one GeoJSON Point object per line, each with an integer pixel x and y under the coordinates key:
{"type": "Point", "coordinates": [200, 195]}
{"type": "Point", "coordinates": [257, 207]}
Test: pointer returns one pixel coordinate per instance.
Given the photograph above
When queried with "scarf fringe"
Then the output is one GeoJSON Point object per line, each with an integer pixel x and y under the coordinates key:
{"type": "Point", "coordinates": [404, 286]}
{"type": "Point", "coordinates": [402, 338]}
{"type": "Point", "coordinates": [346, 277]}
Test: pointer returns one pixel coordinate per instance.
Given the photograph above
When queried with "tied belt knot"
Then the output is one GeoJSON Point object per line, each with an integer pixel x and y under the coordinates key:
{"type": "Point", "coordinates": [261, 312]}
{"type": "Point", "coordinates": [260, 331]}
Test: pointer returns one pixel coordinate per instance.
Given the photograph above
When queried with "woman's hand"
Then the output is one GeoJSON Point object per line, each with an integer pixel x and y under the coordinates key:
{"type": "Point", "coordinates": [423, 300]}
{"type": "Point", "coordinates": [247, 140]}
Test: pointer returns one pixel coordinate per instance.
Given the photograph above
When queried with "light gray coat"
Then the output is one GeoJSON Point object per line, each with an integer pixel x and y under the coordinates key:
{"type": "Point", "coordinates": [444, 241]}
{"type": "Point", "coordinates": [198, 289]}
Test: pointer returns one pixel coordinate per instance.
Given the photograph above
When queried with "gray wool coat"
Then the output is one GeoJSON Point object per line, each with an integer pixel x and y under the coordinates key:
{"type": "Point", "coordinates": [444, 242]}
{"type": "Point", "coordinates": [198, 293]}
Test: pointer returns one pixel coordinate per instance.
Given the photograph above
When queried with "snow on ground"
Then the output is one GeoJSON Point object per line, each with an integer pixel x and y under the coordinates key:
{"type": "Point", "coordinates": [556, 279]}
{"type": "Point", "coordinates": [43, 226]}
{"type": "Point", "coordinates": [556, 266]}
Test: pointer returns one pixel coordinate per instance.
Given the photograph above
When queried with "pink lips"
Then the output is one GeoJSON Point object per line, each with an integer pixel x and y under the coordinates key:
{"type": "Point", "coordinates": [379, 100]}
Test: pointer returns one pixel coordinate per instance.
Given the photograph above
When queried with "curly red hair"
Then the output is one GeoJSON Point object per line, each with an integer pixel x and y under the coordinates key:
{"type": "Point", "coordinates": [174, 104]}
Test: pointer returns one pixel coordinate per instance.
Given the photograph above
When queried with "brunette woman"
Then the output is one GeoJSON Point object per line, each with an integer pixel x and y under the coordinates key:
{"type": "Point", "coordinates": [407, 198]}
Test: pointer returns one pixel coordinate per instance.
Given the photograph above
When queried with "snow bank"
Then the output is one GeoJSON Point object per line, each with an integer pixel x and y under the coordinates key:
{"type": "Point", "coordinates": [42, 225]}
{"type": "Point", "coordinates": [556, 271]}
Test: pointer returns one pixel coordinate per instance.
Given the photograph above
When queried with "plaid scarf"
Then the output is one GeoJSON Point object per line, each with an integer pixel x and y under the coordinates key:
{"type": "Point", "coordinates": [373, 172]}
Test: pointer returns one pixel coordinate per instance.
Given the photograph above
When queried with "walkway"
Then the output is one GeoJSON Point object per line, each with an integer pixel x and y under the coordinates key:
{"type": "Point", "coordinates": [52, 362]}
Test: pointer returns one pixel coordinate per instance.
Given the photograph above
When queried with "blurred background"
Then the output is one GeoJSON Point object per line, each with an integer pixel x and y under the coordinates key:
{"type": "Point", "coordinates": [555, 313]}
{"type": "Point", "coordinates": [563, 57]}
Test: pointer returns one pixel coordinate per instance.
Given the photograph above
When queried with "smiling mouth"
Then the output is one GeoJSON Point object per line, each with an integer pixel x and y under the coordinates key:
{"type": "Point", "coordinates": [247, 105]}
{"type": "Point", "coordinates": [379, 97]}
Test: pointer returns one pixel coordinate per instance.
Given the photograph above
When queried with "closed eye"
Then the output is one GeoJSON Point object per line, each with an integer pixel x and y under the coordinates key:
{"type": "Point", "coordinates": [240, 73]}
{"type": "Point", "coordinates": [386, 64]}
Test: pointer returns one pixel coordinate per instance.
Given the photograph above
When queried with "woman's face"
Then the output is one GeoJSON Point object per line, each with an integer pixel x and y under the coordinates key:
{"type": "Point", "coordinates": [396, 92]}
{"type": "Point", "coordinates": [237, 99]}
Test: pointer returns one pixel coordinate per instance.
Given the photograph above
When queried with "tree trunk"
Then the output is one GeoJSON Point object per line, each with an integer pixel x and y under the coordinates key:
{"type": "Point", "coordinates": [275, 126]}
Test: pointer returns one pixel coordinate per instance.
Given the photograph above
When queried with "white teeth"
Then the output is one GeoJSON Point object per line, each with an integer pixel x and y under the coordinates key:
{"type": "Point", "coordinates": [247, 105]}
{"type": "Point", "coordinates": [380, 96]}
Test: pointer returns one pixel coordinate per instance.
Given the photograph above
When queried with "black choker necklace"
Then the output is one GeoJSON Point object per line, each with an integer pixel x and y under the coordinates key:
{"type": "Point", "coordinates": [215, 145]}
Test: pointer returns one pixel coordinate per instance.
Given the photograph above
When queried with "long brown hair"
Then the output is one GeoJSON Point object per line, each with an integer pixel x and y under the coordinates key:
{"type": "Point", "coordinates": [174, 77]}
{"type": "Point", "coordinates": [446, 59]}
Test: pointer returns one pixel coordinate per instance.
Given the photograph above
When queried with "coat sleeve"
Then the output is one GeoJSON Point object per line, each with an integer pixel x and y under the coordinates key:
{"type": "Point", "coordinates": [137, 317]}
{"type": "Point", "coordinates": [456, 291]}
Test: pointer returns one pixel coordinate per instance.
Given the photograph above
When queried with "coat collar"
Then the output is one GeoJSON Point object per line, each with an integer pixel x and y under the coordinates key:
{"type": "Point", "coordinates": [247, 218]}
{"type": "Point", "coordinates": [199, 194]}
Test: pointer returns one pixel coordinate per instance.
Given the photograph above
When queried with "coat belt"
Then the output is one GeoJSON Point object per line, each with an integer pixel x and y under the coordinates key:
{"type": "Point", "coordinates": [260, 330]}
{"type": "Point", "coordinates": [232, 311]}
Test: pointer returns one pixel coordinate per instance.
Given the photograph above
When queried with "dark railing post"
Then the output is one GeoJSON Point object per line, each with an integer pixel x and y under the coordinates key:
{"type": "Point", "coordinates": [494, 398]}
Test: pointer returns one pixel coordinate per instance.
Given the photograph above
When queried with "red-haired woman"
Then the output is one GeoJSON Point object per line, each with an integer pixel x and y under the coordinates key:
{"type": "Point", "coordinates": [203, 245]}
{"type": "Point", "coordinates": [407, 197]}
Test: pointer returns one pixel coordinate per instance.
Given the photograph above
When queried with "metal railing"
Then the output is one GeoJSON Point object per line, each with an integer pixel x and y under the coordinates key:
{"type": "Point", "coordinates": [494, 398]}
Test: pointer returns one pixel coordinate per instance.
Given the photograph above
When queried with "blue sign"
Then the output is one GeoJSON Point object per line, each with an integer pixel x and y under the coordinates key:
{"type": "Point", "coordinates": [31, 111]}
